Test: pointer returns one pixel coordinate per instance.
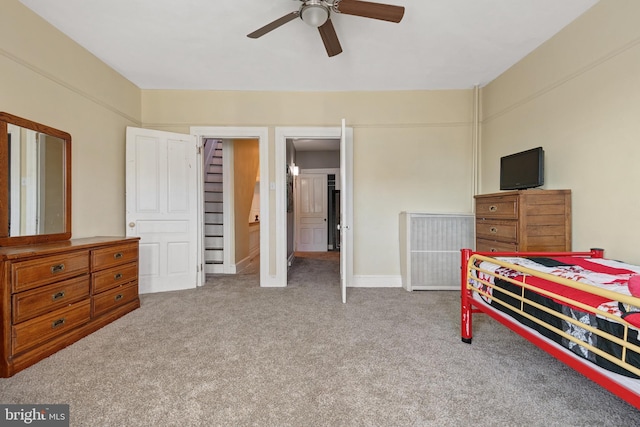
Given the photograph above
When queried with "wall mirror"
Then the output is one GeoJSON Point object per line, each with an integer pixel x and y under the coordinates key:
{"type": "Point", "coordinates": [35, 182]}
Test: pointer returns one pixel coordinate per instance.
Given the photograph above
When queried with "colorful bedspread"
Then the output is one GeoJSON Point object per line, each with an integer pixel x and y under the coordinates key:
{"type": "Point", "coordinates": [603, 273]}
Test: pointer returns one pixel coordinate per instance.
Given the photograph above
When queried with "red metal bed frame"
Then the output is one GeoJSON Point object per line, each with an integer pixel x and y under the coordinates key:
{"type": "Point", "coordinates": [470, 306]}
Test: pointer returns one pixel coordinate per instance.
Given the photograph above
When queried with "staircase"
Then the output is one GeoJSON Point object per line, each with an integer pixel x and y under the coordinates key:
{"type": "Point", "coordinates": [213, 217]}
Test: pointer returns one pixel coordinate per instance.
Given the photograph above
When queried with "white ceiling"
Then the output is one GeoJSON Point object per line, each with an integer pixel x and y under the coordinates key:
{"type": "Point", "coordinates": [202, 44]}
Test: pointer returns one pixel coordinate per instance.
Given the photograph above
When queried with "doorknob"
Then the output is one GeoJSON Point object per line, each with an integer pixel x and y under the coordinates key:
{"type": "Point", "coordinates": [132, 224]}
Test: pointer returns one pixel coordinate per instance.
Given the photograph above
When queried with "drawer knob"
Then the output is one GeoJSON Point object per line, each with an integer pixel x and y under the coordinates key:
{"type": "Point", "coordinates": [494, 230]}
{"type": "Point", "coordinates": [117, 276]}
{"type": "Point", "coordinates": [118, 255]}
{"type": "Point", "coordinates": [57, 296]}
{"type": "Point", "coordinates": [57, 323]}
{"type": "Point", "coordinates": [493, 208]}
{"type": "Point", "coordinates": [57, 268]}
{"type": "Point", "coordinates": [118, 297]}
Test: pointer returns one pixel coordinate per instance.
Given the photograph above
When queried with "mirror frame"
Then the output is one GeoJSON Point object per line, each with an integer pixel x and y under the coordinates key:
{"type": "Point", "coordinates": [5, 239]}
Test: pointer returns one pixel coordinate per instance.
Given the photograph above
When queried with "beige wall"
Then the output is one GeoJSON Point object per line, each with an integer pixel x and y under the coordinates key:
{"type": "Point", "coordinates": [412, 150]}
{"type": "Point", "coordinates": [246, 161]}
{"type": "Point", "coordinates": [47, 78]}
{"type": "Point", "coordinates": [578, 96]}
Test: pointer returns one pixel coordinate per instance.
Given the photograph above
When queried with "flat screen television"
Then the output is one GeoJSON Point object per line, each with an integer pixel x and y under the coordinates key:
{"type": "Point", "coordinates": [522, 170]}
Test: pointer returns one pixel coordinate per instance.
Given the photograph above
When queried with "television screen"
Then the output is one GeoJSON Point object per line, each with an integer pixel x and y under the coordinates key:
{"type": "Point", "coordinates": [522, 170]}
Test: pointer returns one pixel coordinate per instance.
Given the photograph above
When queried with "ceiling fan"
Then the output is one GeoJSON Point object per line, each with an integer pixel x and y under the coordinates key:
{"type": "Point", "coordinates": [317, 13]}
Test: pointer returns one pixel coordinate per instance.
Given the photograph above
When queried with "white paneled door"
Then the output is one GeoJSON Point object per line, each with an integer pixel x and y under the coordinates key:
{"type": "Point", "coordinates": [162, 207]}
{"type": "Point", "coordinates": [312, 213]}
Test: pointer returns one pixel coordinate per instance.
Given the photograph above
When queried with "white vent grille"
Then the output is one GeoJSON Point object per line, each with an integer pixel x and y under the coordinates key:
{"type": "Point", "coordinates": [432, 244]}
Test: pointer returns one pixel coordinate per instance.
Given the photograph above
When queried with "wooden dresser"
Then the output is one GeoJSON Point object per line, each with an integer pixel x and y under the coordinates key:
{"type": "Point", "coordinates": [55, 293]}
{"type": "Point", "coordinates": [525, 220]}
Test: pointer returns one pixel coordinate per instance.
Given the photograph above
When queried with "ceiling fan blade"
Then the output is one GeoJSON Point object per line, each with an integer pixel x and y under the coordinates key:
{"type": "Point", "coordinates": [330, 38]}
{"type": "Point", "coordinates": [273, 25]}
{"type": "Point", "coordinates": [366, 9]}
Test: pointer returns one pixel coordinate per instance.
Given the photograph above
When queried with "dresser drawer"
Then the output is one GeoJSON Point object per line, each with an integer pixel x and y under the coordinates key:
{"type": "Point", "coordinates": [505, 207]}
{"type": "Point", "coordinates": [483, 245]}
{"type": "Point", "coordinates": [113, 298]}
{"type": "Point", "coordinates": [504, 231]}
{"type": "Point", "coordinates": [41, 271]}
{"type": "Point", "coordinates": [40, 329]}
{"type": "Point", "coordinates": [29, 304]}
{"type": "Point", "coordinates": [114, 255]}
{"type": "Point", "coordinates": [107, 279]}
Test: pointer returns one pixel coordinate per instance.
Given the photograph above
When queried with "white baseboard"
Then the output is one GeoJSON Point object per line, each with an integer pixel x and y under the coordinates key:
{"type": "Point", "coordinates": [147, 288]}
{"type": "Point", "coordinates": [272, 282]}
{"type": "Point", "coordinates": [387, 281]}
{"type": "Point", "coordinates": [239, 266]}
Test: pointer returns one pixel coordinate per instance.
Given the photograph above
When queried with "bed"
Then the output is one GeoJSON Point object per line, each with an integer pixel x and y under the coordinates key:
{"type": "Point", "coordinates": [577, 306]}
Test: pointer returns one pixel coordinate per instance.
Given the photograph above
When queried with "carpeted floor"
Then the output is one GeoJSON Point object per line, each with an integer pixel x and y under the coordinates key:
{"type": "Point", "coordinates": [233, 354]}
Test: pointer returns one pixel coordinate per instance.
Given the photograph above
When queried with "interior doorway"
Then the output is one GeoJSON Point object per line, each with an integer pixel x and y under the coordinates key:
{"type": "Point", "coordinates": [317, 162]}
{"type": "Point", "coordinates": [282, 162]}
{"type": "Point", "coordinates": [317, 201]}
{"type": "Point", "coordinates": [231, 204]}
{"type": "Point", "coordinates": [257, 183]}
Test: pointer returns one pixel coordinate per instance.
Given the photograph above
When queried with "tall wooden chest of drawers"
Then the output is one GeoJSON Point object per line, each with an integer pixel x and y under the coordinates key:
{"type": "Point", "coordinates": [53, 294]}
{"type": "Point", "coordinates": [524, 220]}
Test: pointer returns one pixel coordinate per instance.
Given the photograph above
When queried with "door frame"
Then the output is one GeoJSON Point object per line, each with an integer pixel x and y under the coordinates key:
{"type": "Point", "coordinates": [281, 136]}
{"type": "Point", "coordinates": [262, 135]}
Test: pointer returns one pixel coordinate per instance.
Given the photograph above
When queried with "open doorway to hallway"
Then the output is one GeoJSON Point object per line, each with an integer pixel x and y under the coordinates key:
{"type": "Point", "coordinates": [314, 214]}
{"type": "Point", "coordinates": [284, 246]}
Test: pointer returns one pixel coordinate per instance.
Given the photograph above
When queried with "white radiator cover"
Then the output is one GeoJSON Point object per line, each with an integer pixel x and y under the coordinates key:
{"type": "Point", "coordinates": [430, 249]}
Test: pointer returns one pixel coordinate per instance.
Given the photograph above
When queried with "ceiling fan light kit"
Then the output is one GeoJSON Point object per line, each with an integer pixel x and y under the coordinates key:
{"type": "Point", "coordinates": [317, 13]}
{"type": "Point", "coordinates": [314, 13]}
